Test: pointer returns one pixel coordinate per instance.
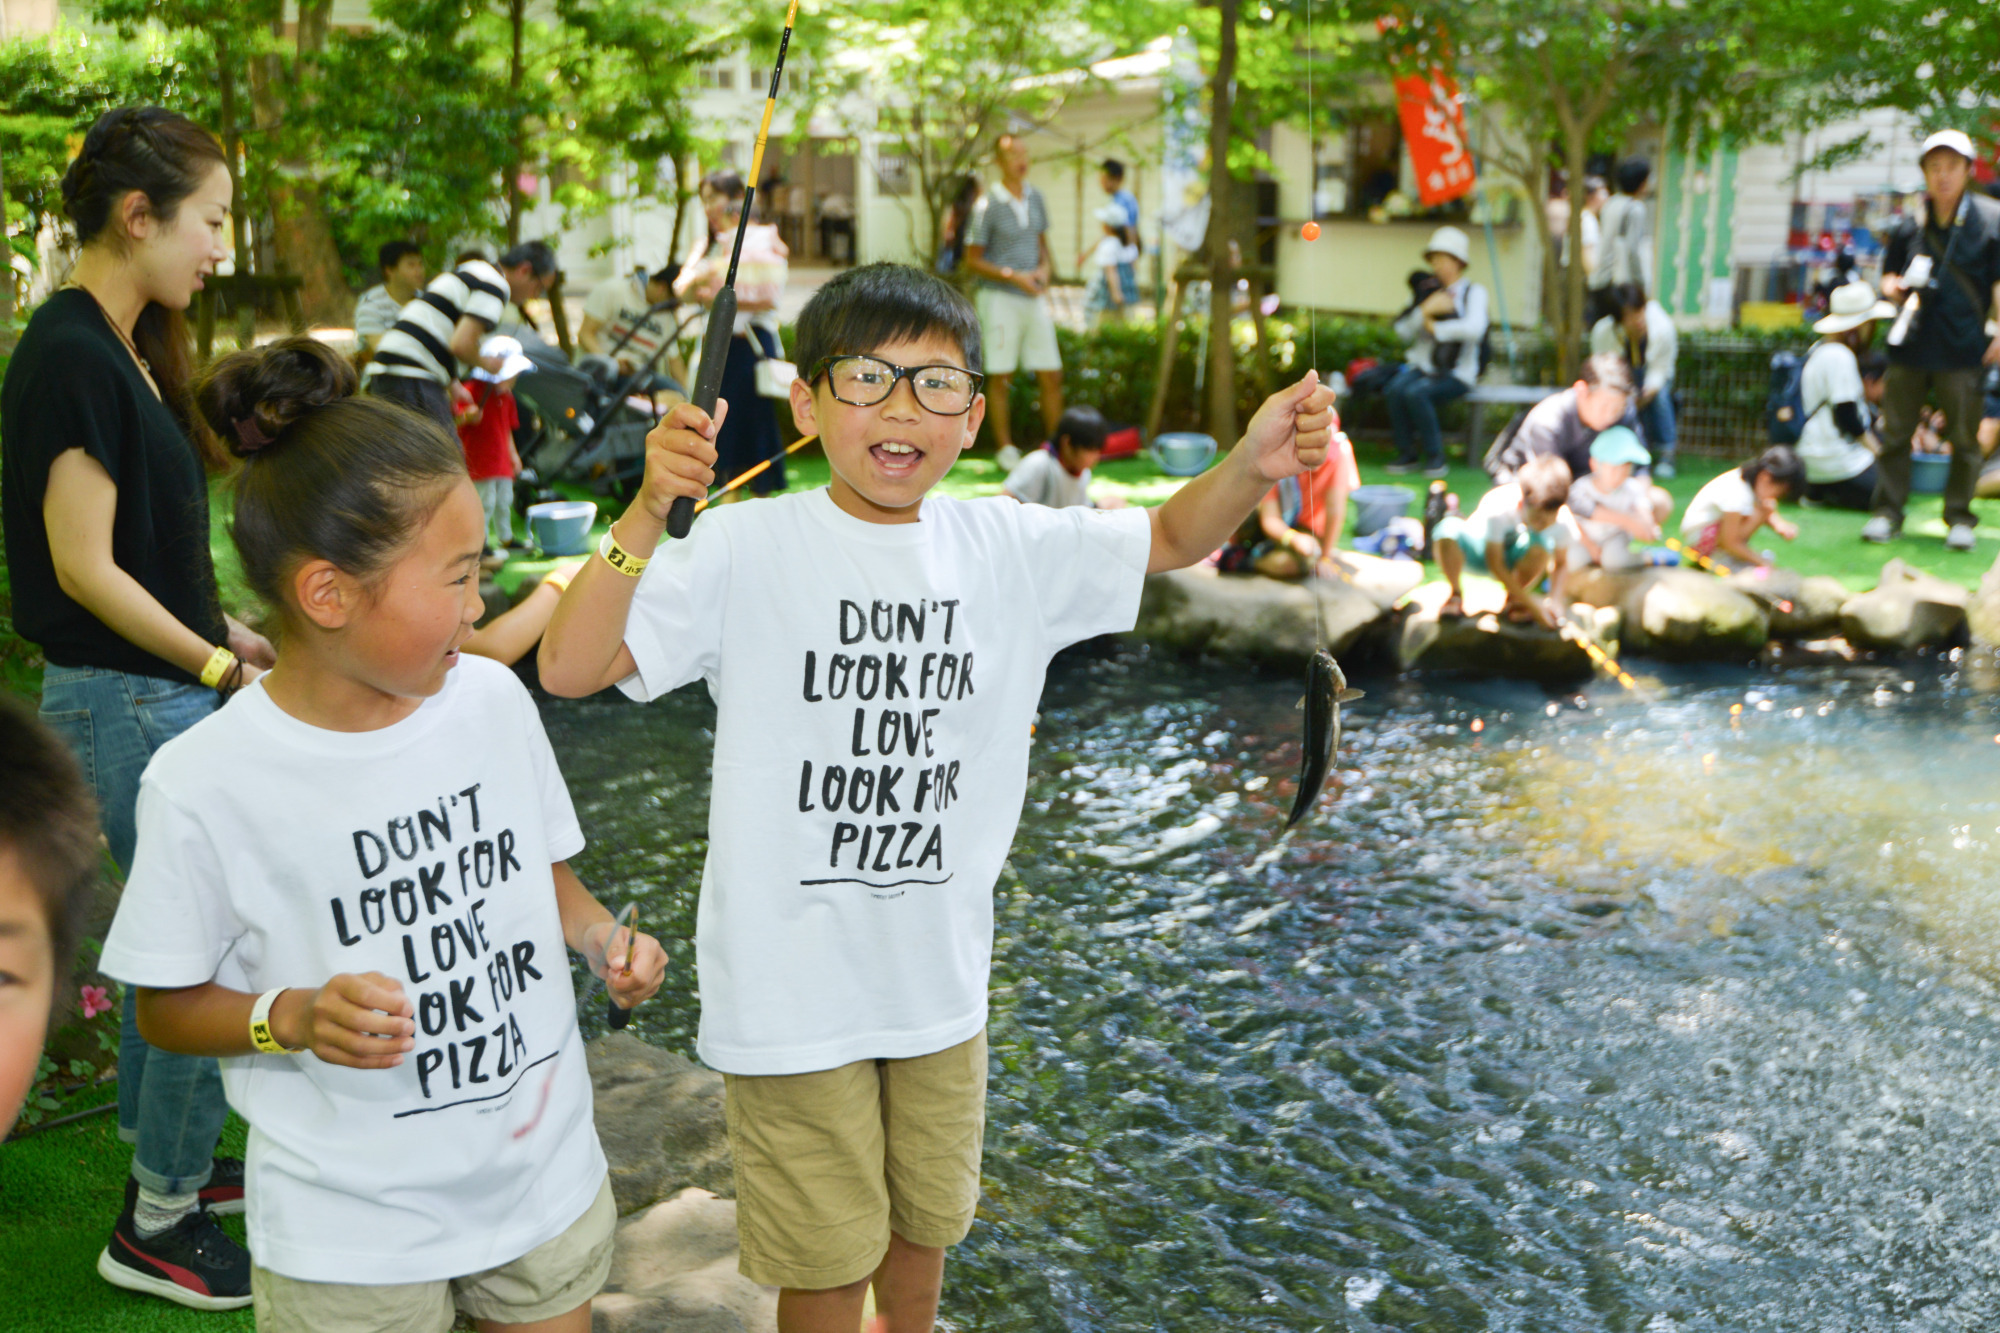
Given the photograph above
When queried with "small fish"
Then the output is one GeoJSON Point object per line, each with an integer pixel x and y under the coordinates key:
{"type": "Point", "coordinates": [1326, 691]}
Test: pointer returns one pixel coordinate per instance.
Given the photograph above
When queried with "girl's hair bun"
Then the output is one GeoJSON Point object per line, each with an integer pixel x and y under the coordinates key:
{"type": "Point", "coordinates": [249, 398]}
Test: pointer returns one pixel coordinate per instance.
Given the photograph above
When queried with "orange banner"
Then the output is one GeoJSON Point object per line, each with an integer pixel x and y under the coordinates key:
{"type": "Point", "coordinates": [1434, 131]}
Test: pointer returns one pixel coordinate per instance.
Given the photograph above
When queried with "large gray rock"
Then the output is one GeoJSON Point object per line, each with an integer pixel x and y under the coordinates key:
{"type": "Point", "coordinates": [1686, 613]}
{"type": "Point", "coordinates": [1799, 606]}
{"type": "Point", "coordinates": [674, 1271]}
{"type": "Point", "coordinates": [1482, 641]}
{"type": "Point", "coordinates": [1250, 616]}
{"type": "Point", "coordinates": [1983, 611]}
{"type": "Point", "coordinates": [659, 1117]}
{"type": "Point", "coordinates": [1906, 610]}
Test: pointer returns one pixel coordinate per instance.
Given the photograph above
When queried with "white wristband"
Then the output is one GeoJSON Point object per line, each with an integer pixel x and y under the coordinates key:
{"type": "Point", "coordinates": [260, 1024]}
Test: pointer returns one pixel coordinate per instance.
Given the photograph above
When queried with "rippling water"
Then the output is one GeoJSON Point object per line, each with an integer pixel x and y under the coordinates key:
{"type": "Point", "coordinates": [1563, 1012]}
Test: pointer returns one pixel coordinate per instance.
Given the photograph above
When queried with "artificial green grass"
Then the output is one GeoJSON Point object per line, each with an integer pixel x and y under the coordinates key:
{"type": "Point", "coordinates": [60, 1192]}
{"type": "Point", "coordinates": [1829, 540]}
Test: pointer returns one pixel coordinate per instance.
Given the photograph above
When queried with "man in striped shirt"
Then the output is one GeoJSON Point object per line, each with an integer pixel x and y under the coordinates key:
{"type": "Point", "coordinates": [417, 361]}
{"type": "Point", "coordinates": [1007, 248]}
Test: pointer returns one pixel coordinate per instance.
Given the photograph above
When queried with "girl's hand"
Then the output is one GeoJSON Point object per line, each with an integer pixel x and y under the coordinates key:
{"type": "Point", "coordinates": [361, 1020]}
{"type": "Point", "coordinates": [1292, 430]}
{"type": "Point", "coordinates": [1789, 531]}
{"type": "Point", "coordinates": [680, 457]}
{"type": "Point", "coordinates": [250, 647]}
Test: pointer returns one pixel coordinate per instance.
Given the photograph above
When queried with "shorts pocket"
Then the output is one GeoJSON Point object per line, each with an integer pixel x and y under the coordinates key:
{"type": "Point", "coordinates": [73, 725]}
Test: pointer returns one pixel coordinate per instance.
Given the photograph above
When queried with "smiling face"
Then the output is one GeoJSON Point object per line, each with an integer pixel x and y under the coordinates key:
{"type": "Point", "coordinates": [1608, 477]}
{"type": "Point", "coordinates": [170, 257]}
{"type": "Point", "coordinates": [27, 983]}
{"type": "Point", "coordinates": [1599, 409]}
{"type": "Point", "coordinates": [887, 457]}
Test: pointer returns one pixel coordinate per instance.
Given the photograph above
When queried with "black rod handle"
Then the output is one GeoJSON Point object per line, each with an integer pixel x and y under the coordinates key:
{"type": "Point", "coordinates": [616, 1016]}
{"type": "Point", "coordinates": [707, 388]}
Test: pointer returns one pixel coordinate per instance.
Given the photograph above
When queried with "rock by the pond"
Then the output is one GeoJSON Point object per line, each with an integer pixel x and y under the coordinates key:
{"type": "Point", "coordinates": [1687, 613]}
{"type": "Point", "coordinates": [659, 1117]}
{"type": "Point", "coordinates": [1906, 610]}
{"type": "Point", "coordinates": [1983, 611]}
{"type": "Point", "coordinates": [1248, 615]}
{"type": "Point", "coordinates": [1800, 606]}
{"type": "Point", "coordinates": [1481, 640]}
{"type": "Point", "coordinates": [674, 1271]}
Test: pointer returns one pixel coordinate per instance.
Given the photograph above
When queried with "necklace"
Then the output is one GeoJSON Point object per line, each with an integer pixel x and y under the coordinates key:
{"type": "Point", "coordinates": [145, 367]}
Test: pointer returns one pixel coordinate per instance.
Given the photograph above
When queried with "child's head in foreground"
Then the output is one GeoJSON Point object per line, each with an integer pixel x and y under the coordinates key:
{"type": "Point", "coordinates": [1613, 455]}
{"type": "Point", "coordinates": [889, 379]}
{"type": "Point", "coordinates": [354, 517]}
{"type": "Point", "coordinates": [1544, 481]}
{"type": "Point", "coordinates": [1080, 436]}
{"type": "Point", "coordinates": [48, 867]}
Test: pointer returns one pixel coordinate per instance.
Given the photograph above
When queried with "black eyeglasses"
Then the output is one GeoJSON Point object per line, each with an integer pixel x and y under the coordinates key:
{"type": "Point", "coordinates": [863, 381]}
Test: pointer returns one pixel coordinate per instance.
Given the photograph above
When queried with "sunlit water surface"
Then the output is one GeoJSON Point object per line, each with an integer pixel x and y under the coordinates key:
{"type": "Point", "coordinates": [1563, 1012]}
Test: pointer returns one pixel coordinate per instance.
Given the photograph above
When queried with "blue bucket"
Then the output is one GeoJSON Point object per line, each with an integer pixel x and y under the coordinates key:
{"type": "Point", "coordinates": [1928, 473]}
{"type": "Point", "coordinates": [562, 527]}
{"type": "Point", "coordinates": [1183, 453]}
{"type": "Point", "coordinates": [1374, 506]}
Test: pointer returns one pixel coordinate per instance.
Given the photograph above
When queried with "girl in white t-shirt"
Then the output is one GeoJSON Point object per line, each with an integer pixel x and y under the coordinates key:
{"type": "Point", "coordinates": [351, 885]}
{"type": "Point", "coordinates": [1727, 512]}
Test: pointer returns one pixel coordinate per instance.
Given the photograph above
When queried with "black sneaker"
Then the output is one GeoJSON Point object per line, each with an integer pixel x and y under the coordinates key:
{"type": "Point", "coordinates": [192, 1263]}
{"type": "Point", "coordinates": [1402, 469]}
{"type": "Point", "coordinates": [223, 1194]}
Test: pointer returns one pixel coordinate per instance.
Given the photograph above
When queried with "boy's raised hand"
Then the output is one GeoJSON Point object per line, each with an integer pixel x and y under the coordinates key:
{"type": "Point", "coordinates": [359, 1019]}
{"type": "Point", "coordinates": [1292, 430]}
{"type": "Point", "coordinates": [605, 947]}
{"type": "Point", "coordinates": [680, 457]}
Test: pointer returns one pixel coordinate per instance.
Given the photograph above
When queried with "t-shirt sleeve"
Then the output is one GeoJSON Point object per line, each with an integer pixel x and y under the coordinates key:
{"type": "Point", "coordinates": [174, 921]}
{"type": "Point", "coordinates": [80, 405]}
{"type": "Point", "coordinates": [559, 822]}
{"type": "Point", "coordinates": [604, 302]}
{"type": "Point", "coordinates": [980, 230]}
{"type": "Point", "coordinates": [485, 292]}
{"type": "Point", "coordinates": [1029, 482]}
{"type": "Point", "coordinates": [1085, 567]}
{"type": "Point", "coordinates": [675, 627]}
{"type": "Point", "coordinates": [1896, 250]}
{"type": "Point", "coordinates": [1582, 498]}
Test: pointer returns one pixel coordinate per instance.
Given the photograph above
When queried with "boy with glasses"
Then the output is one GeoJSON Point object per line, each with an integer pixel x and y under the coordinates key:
{"type": "Point", "coordinates": [876, 653]}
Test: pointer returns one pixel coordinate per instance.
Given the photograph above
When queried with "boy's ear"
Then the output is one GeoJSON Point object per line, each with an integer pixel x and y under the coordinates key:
{"type": "Point", "coordinates": [805, 411]}
{"type": "Point", "coordinates": [973, 417]}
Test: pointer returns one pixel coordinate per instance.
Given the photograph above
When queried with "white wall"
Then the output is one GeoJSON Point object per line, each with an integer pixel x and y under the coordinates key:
{"type": "Point", "coordinates": [1764, 189]}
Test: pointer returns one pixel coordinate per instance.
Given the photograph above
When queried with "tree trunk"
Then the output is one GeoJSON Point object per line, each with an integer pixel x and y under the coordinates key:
{"type": "Point", "coordinates": [1221, 231]}
{"type": "Point", "coordinates": [1569, 331]}
{"type": "Point", "coordinates": [516, 71]}
{"type": "Point", "coordinates": [232, 149]}
{"type": "Point", "coordinates": [6, 259]}
{"type": "Point", "coordinates": [302, 239]}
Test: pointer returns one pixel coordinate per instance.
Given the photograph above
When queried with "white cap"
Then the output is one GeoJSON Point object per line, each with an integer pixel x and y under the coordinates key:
{"type": "Point", "coordinates": [1956, 140]}
{"type": "Point", "coordinates": [1113, 215]}
{"type": "Point", "coordinates": [509, 351]}
{"type": "Point", "coordinates": [1449, 241]}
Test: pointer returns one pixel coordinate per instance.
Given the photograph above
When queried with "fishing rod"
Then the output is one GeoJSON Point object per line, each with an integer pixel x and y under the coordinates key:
{"type": "Point", "coordinates": [1599, 658]}
{"type": "Point", "coordinates": [742, 477]}
{"type": "Point", "coordinates": [1687, 552]}
{"type": "Point", "coordinates": [721, 329]}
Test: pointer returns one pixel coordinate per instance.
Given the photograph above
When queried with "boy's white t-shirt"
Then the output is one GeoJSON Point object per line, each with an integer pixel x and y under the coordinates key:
{"type": "Point", "coordinates": [1632, 496]}
{"type": "Point", "coordinates": [1109, 253]}
{"type": "Point", "coordinates": [1041, 479]}
{"type": "Point", "coordinates": [274, 853]}
{"type": "Point", "coordinates": [874, 688]}
{"type": "Point", "coordinates": [1727, 493]}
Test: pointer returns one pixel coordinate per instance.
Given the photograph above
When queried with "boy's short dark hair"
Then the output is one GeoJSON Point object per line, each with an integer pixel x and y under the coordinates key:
{"type": "Point", "coordinates": [727, 183]}
{"type": "Point", "coordinates": [1606, 370]}
{"type": "Point", "coordinates": [1632, 174]}
{"type": "Point", "coordinates": [1544, 482]}
{"type": "Point", "coordinates": [865, 307]}
{"type": "Point", "coordinates": [392, 252]}
{"type": "Point", "coordinates": [666, 276]}
{"type": "Point", "coordinates": [467, 256]}
{"type": "Point", "coordinates": [1781, 465]}
{"type": "Point", "coordinates": [48, 820]}
{"type": "Point", "coordinates": [1084, 427]}
{"type": "Point", "coordinates": [537, 255]}
{"type": "Point", "coordinates": [1627, 297]}
{"type": "Point", "coordinates": [1113, 168]}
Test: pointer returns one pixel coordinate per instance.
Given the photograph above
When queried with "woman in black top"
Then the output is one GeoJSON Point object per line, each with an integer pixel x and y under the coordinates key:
{"type": "Point", "coordinates": [105, 499]}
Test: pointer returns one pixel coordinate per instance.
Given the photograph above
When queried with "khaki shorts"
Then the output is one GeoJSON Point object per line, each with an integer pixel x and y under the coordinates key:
{"type": "Point", "coordinates": [553, 1278]}
{"type": "Point", "coordinates": [829, 1163]}
{"type": "Point", "coordinates": [1019, 332]}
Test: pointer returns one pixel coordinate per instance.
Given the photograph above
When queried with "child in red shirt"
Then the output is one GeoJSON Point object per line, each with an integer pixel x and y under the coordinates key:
{"type": "Point", "coordinates": [487, 432]}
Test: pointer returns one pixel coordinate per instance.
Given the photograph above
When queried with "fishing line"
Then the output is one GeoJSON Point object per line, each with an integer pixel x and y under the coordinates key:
{"type": "Point", "coordinates": [1687, 552]}
{"type": "Point", "coordinates": [1309, 497]}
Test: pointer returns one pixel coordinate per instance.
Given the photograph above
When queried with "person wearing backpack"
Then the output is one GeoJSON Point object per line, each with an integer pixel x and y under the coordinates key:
{"type": "Point", "coordinates": [1446, 332]}
{"type": "Point", "coordinates": [1643, 333]}
{"type": "Point", "coordinates": [1947, 260]}
{"type": "Point", "coordinates": [1832, 412]}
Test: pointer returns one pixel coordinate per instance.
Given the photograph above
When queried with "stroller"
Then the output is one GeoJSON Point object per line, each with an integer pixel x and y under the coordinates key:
{"type": "Point", "coordinates": [586, 428]}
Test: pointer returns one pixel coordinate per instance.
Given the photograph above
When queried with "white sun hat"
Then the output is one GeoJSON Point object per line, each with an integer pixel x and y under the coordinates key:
{"type": "Point", "coordinates": [509, 350]}
{"type": "Point", "coordinates": [1449, 241]}
{"type": "Point", "coordinates": [1851, 306]}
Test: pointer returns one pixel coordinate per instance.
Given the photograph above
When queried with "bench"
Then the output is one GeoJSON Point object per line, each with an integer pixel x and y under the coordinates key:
{"type": "Point", "coordinates": [1506, 395]}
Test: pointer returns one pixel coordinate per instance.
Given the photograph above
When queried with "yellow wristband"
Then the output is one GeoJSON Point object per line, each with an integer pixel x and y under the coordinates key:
{"type": "Point", "coordinates": [260, 1024]}
{"type": "Point", "coordinates": [218, 666]}
{"type": "Point", "coordinates": [620, 559]}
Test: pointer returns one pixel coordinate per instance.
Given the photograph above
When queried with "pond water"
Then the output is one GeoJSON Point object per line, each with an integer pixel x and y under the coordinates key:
{"type": "Point", "coordinates": [1563, 1012]}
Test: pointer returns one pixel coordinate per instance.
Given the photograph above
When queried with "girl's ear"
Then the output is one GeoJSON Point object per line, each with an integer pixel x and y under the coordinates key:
{"type": "Point", "coordinates": [326, 594]}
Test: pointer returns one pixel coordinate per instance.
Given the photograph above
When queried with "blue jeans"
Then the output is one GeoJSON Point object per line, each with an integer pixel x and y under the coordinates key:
{"type": "Point", "coordinates": [1413, 398]}
{"type": "Point", "coordinates": [170, 1106]}
{"type": "Point", "coordinates": [1656, 424]}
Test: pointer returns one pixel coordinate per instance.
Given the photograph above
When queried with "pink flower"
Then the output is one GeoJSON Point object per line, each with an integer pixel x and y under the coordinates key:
{"type": "Point", "coordinates": [96, 1000]}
